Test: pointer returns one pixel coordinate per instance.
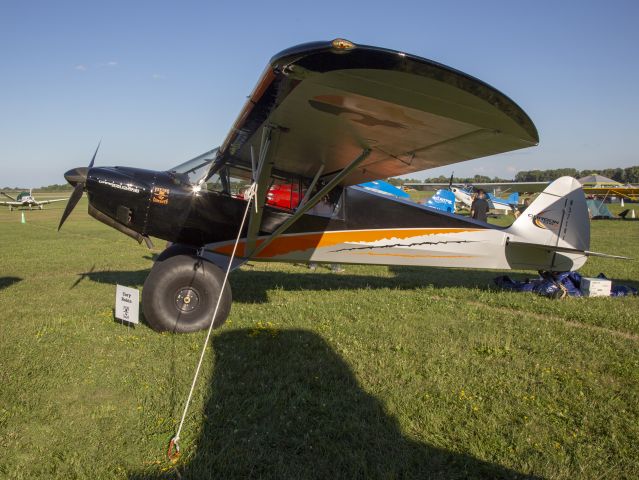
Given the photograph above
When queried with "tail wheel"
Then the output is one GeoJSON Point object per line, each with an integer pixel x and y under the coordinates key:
{"type": "Point", "coordinates": [181, 292]}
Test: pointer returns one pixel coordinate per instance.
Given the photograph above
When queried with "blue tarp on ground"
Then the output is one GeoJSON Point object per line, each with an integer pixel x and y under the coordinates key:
{"type": "Point", "coordinates": [557, 285]}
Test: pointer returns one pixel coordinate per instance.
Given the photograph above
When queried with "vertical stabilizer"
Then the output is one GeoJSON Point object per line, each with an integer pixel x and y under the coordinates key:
{"type": "Point", "coordinates": [558, 219]}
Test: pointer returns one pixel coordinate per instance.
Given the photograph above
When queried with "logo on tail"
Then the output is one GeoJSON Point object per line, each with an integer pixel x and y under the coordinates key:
{"type": "Point", "coordinates": [541, 221]}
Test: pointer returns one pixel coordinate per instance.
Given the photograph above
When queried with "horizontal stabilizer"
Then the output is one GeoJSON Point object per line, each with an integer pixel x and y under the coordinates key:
{"type": "Point", "coordinates": [587, 253]}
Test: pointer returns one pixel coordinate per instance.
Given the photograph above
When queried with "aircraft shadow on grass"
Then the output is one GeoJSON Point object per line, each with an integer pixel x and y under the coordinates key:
{"type": "Point", "coordinates": [252, 286]}
{"type": "Point", "coordinates": [286, 405]}
{"type": "Point", "coordinates": [6, 282]}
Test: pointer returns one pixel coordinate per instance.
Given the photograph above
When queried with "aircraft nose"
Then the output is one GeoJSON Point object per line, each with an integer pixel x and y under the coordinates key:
{"type": "Point", "coordinates": [76, 175]}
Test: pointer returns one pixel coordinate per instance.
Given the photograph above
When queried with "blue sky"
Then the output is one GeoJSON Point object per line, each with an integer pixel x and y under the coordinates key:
{"type": "Point", "coordinates": [161, 82]}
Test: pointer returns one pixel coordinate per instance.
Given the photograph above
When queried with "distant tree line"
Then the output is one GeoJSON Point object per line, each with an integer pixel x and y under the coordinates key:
{"type": "Point", "coordinates": [443, 179]}
{"type": "Point", "coordinates": [623, 175]}
{"type": "Point", "coordinates": [56, 187]}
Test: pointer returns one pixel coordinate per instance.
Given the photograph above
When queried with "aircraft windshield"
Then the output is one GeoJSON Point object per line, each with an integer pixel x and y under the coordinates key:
{"type": "Point", "coordinates": [195, 170]}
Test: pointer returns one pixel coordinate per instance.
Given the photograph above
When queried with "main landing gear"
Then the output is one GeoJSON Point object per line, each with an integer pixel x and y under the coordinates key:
{"type": "Point", "coordinates": [181, 292]}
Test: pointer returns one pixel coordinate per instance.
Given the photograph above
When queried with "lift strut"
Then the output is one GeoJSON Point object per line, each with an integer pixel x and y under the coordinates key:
{"type": "Point", "coordinates": [310, 203]}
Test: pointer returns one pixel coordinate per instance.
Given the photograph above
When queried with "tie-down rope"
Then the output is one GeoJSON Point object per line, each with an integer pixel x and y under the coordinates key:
{"type": "Point", "coordinates": [174, 448]}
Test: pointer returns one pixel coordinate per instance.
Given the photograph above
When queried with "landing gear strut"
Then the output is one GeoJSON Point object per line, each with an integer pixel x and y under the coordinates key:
{"type": "Point", "coordinates": [181, 292]}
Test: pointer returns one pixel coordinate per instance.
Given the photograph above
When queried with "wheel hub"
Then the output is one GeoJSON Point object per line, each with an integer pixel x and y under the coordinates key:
{"type": "Point", "coordinates": [187, 299]}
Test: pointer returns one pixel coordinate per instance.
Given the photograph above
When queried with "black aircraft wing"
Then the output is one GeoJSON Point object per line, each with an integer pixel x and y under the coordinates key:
{"type": "Point", "coordinates": [331, 101]}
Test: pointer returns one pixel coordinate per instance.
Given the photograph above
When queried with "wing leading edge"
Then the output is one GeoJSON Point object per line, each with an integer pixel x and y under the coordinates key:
{"type": "Point", "coordinates": [330, 102]}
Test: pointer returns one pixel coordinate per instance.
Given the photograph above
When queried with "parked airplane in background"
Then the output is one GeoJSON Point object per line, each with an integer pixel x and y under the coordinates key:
{"type": "Point", "coordinates": [26, 199]}
{"type": "Point", "coordinates": [443, 200]}
{"type": "Point", "coordinates": [447, 199]}
{"type": "Point", "coordinates": [602, 187]}
{"type": "Point", "coordinates": [501, 205]}
{"type": "Point", "coordinates": [385, 188]}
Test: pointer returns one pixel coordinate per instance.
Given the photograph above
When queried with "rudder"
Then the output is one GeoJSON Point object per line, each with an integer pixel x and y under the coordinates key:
{"type": "Point", "coordinates": [557, 219]}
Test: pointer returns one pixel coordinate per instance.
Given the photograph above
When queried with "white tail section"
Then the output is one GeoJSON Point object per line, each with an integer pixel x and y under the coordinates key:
{"type": "Point", "coordinates": [557, 219]}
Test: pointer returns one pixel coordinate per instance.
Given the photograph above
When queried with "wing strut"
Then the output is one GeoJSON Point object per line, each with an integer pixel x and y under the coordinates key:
{"type": "Point", "coordinates": [312, 186]}
{"type": "Point", "coordinates": [261, 174]}
{"type": "Point", "coordinates": [310, 203]}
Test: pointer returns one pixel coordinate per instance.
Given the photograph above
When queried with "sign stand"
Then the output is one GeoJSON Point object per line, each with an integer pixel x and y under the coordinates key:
{"type": "Point", "coordinates": [127, 305]}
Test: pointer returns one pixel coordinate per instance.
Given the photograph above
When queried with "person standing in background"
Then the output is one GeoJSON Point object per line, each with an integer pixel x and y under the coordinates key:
{"type": "Point", "coordinates": [479, 207]}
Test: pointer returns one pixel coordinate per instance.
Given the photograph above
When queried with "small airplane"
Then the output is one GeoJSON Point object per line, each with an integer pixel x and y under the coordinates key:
{"type": "Point", "coordinates": [26, 200]}
{"type": "Point", "coordinates": [501, 205]}
{"type": "Point", "coordinates": [323, 118]}
{"type": "Point", "coordinates": [447, 199]}
{"type": "Point", "coordinates": [602, 187]}
{"type": "Point", "coordinates": [443, 199]}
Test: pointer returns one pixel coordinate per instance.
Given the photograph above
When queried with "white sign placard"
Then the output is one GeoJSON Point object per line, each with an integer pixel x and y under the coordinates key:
{"type": "Point", "coordinates": [127, 304]}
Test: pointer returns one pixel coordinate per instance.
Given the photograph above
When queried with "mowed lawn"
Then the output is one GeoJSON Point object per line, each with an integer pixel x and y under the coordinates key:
{"type": "Point", "coordinates": [377, 372]}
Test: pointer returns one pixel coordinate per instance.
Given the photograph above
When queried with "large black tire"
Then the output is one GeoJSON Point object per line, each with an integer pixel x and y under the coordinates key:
{"type": "Point", "coordinates": [176, 249]}
{"type": "Point", "coordinates": [180, 295]}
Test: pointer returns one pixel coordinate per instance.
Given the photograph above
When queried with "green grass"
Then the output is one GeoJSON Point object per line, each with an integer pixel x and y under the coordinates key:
{"type": "Point", "coordinates": [374, 373]}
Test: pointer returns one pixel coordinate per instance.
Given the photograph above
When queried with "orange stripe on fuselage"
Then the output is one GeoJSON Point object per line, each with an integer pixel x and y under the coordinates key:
{"type": "Point", "coordinates": [286, 244]}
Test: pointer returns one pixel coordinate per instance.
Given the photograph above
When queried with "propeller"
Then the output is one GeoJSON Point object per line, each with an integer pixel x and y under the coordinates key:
{"type": "Point", "coordinates": [78, 178]}
{"type": "Point", "coordinates": [450, 183]}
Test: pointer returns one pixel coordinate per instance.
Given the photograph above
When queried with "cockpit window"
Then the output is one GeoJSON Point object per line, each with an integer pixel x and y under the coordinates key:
{"type": "Point", "coordinates": [229, 180]}
{"type": "Point", "coordinates": [195, 170]}
{"type": "Point", "coordinates": [233, 178]}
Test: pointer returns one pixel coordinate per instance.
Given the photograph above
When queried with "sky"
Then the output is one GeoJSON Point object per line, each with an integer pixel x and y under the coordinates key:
{"type": "Point", "coordinates": [162, 81]}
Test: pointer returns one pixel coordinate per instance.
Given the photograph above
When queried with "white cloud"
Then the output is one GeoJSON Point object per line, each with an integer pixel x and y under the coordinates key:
{"type": "Point", "coordinates": [157, 76]}
{"type": "Point", "coordinates": [109, 64]}
{"type": "Point", "coordinates": [80, 67]}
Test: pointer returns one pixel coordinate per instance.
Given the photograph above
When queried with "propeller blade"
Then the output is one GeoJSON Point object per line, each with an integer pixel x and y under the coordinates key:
{"type": "Point", "coordinates": [450, 183]}
{"type": "Point", "coordinates": [76, 177]}
{"type": "Point", "coordinates": [73, 201]}
{"type": "Point", "coordinates": [96, 152]}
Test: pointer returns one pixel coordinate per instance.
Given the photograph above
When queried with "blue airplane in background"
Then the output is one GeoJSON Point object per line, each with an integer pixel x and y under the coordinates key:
{"type": "Point", "coordinates": [503, 204]}
{"type": "Point", "coordinates": [385, 188]}
{"type": "Point", "coordinates": [443, 200]}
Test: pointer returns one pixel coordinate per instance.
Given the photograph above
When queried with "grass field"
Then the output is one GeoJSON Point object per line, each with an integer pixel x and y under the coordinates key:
{"type": "Point", "coordinates": [378, 372]}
